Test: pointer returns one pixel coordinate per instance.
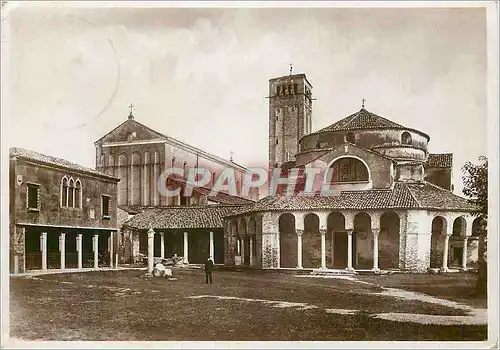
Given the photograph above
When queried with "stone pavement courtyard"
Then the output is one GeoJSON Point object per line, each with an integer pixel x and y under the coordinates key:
{"type": "Point", "coordinates": [245, 305]}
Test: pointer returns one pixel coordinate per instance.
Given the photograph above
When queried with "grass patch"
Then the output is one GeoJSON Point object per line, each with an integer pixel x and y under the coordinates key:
{"type": "Point", "coordinates": [123, 305]}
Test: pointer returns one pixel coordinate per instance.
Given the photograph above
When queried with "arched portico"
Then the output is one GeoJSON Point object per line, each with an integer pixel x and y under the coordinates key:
{"type": "Point", "coordinates": [287, 240]}
{"type": "Point", "coordinates": [438, 232]}
{"type": "Point", "coordinates": [389, 240]}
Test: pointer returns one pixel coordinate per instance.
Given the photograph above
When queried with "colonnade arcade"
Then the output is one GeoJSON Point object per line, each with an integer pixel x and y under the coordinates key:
{"type": "Point", "coordinates": [370, 240]}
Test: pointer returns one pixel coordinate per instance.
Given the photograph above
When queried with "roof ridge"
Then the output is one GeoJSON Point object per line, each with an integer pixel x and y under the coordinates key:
{"type": "Point", "coordinates": [28, 154]}
{"type": "Point", "coordinates": [411, 194]}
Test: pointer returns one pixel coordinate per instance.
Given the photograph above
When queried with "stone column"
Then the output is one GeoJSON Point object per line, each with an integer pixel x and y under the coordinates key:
{"type": "Point", "coordinates": [251, 250]}
{"type": "Point", "coordinates": [349, 249]}
{"type": "Point", "coordinates": [323, 248]}
{"type": "Point", "coordinates": [111, 248]}
{"type": "Point", "coordinates": [211, 246]}
{"type": "Point", "coordinates": [445, 253]}
{"type": "Point", "coordinates": [79, 250]}
{"type": "Point", "coordinates": [375, 232]}
{"type": "Point", "coordinates": [299, 248]}
{"type": "Point", "coordinates": [186, 248]}
{"type": "Point", "coordinates": [62, 250]}
{"type": "Point", "coordinates": [242, 250]}
{"type": "Point", "coordinates": [464, 254]}
{"type": "Point", "coordinates": [95, 244]}
{"type": "Point", "coordinates": [43, 249]}
{"type": "Point", "coordinates": [162, 245]}
{"type": "Point", "coordinates": [151, 241]}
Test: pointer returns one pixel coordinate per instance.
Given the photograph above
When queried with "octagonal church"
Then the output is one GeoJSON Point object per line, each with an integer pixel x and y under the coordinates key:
{"type": "Point", "coordinates": [392, 208]}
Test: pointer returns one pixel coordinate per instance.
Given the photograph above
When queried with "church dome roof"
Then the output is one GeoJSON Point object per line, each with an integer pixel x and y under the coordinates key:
{"type": "Point", "coordinates": [364, 119]}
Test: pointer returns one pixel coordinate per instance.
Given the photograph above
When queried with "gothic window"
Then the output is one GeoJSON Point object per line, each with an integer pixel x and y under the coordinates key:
{"type": "Point", "coordinates": [406, 138]}
{"type": "Point", "coordinates": [349, 170]}
{"type": "Point", "coordinates": [78, 194]}
{"type": "Point", "coordinates": [71, 190]}
{"type": "Point", "coordinates": [295, 88]}
{"type": "Point", "coordinates": [349, 137]}
{"type": "Point", "coordinates": [64, 192]}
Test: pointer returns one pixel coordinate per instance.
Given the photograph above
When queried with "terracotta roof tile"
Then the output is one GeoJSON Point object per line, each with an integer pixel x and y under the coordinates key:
{"type": "Point", "coordinates": [219, 197]}
{"type": "Point", "coordinates": [364, 119]}
{"type": "Point", "coordinates": [190, 217]}
{"type": "Point", "coordinates": [430, 196]}
{"type": "Point", "coordinates": [22, 153]}
{"type": "Point", "coordinates": [403, 196]}
{"type": "Point", "coordinates": [441, 160]}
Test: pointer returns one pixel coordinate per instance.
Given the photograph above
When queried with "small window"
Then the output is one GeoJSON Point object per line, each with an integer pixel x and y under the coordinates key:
{"type": "Point", "coordinates": [33, 194]}
{"type": "Point", "coordinates": [406, 138]}
{"type": "Point", "coordinates": [276, 141]}
{"type": "Point", "coordinates": [105, 205]}
{"type": "Point", "coordinates": [295, 89]}
{"type": "Point", "coordinates": [349, 137]}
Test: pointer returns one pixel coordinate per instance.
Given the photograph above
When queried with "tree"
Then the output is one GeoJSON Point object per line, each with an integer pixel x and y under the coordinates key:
{"type": "Point", "coordinates": [475, 178]}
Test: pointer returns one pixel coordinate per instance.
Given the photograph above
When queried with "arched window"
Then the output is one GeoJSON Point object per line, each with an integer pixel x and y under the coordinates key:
{"type": "Point", "coordinates": [406, 138]}
{"type": "Point", "coordinates": [64, 192]}
{"type": "Point", "coordinates": [349, 170]}
{"type": "Point", "coordinates": [349, 137]}
{"type": "Point", "coordinates": [71, 191]}
{"type": "Point", "coordinates": [78, 194]}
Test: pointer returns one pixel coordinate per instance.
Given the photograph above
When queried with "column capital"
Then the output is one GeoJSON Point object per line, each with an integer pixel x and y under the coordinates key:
{"type": "Point", "coordinates": [349, 231]}
{"type": "Point", "coordinates": [299, 232]}
{"type": "Point", "coordinates": [322, 232]}
{"type": "Point", "coordinates": [375, 231]}
{"type": "Point", "coordinates": [44, 234]}
{"type": "Point", "coordinates": [62, 234]}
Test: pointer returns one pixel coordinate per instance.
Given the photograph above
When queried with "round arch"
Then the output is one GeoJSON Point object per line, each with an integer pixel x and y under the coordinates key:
{"type": "Point", "coordinates": [389, 240]}
{"type": "Point", "coordinates": [439, 227]}
{"type": "Point", "coordinates": [362, 241]}
{"type": "Point", "coordinates": [348, 168]}
{"type": "Point", "coordinates": [288, 240]}
{"type": "Point", "coordinates": [406, 138]}
{"type": "Point", "coordinates": [336, 241]}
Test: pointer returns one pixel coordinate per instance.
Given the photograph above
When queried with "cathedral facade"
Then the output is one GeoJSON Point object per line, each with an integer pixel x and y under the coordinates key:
{"type": "Point", "coordinates": [392, 205]}
{"type": "Point", "coordinates": [188, 225]}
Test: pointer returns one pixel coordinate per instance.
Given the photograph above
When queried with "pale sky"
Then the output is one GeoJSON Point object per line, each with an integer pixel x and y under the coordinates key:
{"type": "Point", "coordinates": [201, 75]}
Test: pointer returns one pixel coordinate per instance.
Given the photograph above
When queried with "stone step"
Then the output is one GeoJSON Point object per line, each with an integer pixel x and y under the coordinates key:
{"type": "Point", "coordinates": [333, 272]}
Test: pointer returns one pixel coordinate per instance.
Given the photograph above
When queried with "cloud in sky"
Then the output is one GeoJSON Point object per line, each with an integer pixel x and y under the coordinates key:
{"type": "Point", "coordinates": [201, 75]}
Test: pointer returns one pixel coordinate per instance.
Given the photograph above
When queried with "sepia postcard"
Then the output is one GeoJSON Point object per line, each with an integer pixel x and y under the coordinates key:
{"type": "Point", "coordinates": [249, 174]}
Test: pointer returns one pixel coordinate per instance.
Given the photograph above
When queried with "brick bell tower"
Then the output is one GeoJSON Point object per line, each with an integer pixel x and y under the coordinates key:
{"type": "Point", "coordinates": [290, 116]}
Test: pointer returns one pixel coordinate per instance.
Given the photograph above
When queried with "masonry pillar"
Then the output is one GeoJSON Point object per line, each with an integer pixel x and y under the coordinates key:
{"type": "Point", "coordinates": [162, 245]}
{"type": "Point", "coordinates": [251, 250]}
{"type": "Point", "coordinates": [95, 245]}
{"type": "Point", "coordinates": [211, 245]}
{"type": "Point", "coordinates": [43, 249]}
{"type": "Point", "coordinates": [349, 250]}
{"type": "Point", "coordinates": [445, 253]}
{"type": "Point", "coordinates": [62, 250]}
{"type": "Point", "coordinates": [299, 248]}
{"type": "Point", "coordinates": [323, 249]}
{"type": "Point", "coordinates": [375, 233]}
{"type": "Point", "coordinates": [151, 241]}
{"type": "Point", "coordinates": [186, 248]}
{"type": "Point", "coordinates": [464, 254]}
{"type": "Point", "coordinates": [79, 250]}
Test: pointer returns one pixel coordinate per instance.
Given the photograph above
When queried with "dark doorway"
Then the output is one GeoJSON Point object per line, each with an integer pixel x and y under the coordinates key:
{"type": "Point", "coordinates": [340, 250]}
{"type": "Point", "coordinates": [157, 245]}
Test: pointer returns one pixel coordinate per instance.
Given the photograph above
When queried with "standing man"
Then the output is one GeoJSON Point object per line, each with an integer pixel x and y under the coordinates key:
{"type": "Point", "coordinates": [209, 267]}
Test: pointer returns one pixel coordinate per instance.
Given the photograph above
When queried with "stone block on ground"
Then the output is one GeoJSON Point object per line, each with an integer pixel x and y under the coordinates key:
{"type": "Point", "coordinates": [159, 270]}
